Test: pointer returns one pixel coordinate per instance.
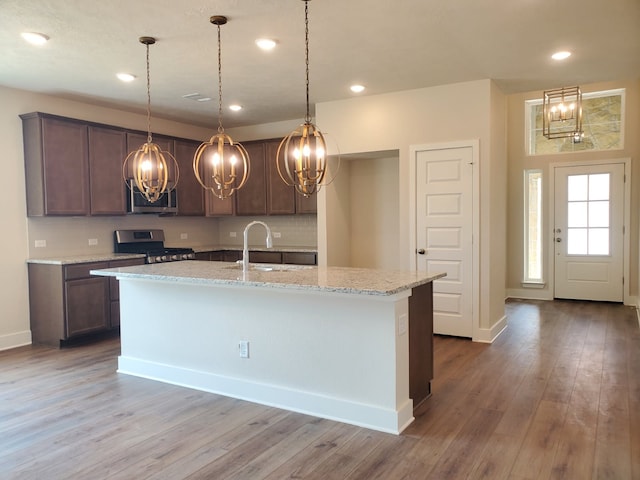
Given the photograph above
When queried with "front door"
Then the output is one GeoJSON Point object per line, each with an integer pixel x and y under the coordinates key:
{"type": "Point", "coordinates": [588, 232]}
{"type": "Point", "coordinates": [444, 234]}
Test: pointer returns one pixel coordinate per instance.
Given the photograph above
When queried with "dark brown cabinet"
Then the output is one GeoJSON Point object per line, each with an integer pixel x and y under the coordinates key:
{"type": "Point", "coordinates": [56, 165]}
{"type": "Point", "coordinates": [107, 151]}
{"type": "Point", "coordinates": [190, 192]}
{"type": "Point", "coordinates": [420, 343]}
{"type": "Point", "coordinates": [280, 196]}
{"type": "Point", "coordinates": [300, 258]}
{"type": "Point", "coordinates": [260, 256]}
{"type": "Point", "coordinates": [66, 302]}
{"type": "Point", "coordinates": [251, 199]}
{"type": "Point", "coordinates": [265, 257]}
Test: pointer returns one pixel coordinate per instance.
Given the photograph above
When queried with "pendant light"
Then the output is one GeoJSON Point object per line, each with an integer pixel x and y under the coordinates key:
{"type": "Point", "coordinates": [302, 155]}
{"type": "Point", "coordinates": [562, 113]}
{"type": "Point", "coordinates": [148, 170]}
{"type": "Point", "coordinates": [220, 164]}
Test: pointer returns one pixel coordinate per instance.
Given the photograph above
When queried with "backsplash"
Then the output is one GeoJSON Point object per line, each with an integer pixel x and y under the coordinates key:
{"type": "Point", "coordinates": [294, 230]}
{"type": "Point", "coordinates": [65, 236]}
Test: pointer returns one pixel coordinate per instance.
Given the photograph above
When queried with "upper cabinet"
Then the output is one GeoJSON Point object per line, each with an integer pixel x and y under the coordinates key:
{"type": "Point", "coordinates": [251, 199]}
{"type": "Point", "coordinates": [190, 192]}
{"type": "Point", "coordinates": [107, 151]}
{"type": "Point", "coordinates": [56, 154]}
{"type": "Point", "coordinates": [74, 168]}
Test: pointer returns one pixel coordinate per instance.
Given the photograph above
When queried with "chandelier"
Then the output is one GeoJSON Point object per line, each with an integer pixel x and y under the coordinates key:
{"type": "Point", "coordinates": [302, 155]}
{"type": "Point", "coordinates": [148, 170]}
{"type": "Point", "coordinates": [220, 164]}
{"type": "Point", "coordinates": [562, 113]}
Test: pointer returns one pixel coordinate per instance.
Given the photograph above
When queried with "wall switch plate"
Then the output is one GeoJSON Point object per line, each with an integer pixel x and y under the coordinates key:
{"type": "Point", "coordinates": [93, 241]}
{"type": "Point", "coordinates": [40, 243]}
{"type": "Point", "coordinates": [243, 347]}
{"type": "Point", "coordinates": [277, 235]}
{"type": "Point", "coordinates": [184, 236]}
{"type": "Point", "coordinates": [232, 234]}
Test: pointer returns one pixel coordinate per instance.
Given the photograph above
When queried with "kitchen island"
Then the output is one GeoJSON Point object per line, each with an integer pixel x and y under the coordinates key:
{"type": "Point", "coordinates": [330, 342]}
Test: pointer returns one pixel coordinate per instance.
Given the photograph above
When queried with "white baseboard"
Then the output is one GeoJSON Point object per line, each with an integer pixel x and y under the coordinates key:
{"type": "Point", "coordinates": [14, 340]}
{"type": "Point", "coordinates": [309, 403]}
{"type": "Point", "coordinates": [488, 335]}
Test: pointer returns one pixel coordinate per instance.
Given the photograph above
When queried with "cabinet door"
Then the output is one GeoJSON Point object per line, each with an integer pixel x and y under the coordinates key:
{"type": "Point", "coordinates": [265, 257]}
{"type": "Point", "coordinates": [306, 204]}
{"type": "Point", "coordinates": [280, 196]}
{"type": "Point", "coordinates": [65, 167]}
{"type": "Point", "coordinates": [107, 151]}
{"type": "Point", "coordinates": [299, 258]}
{"type": "Point", "coordinates": [252, 198]}
{"type": "Point", "coordinates": [190, 192]}
{"type": "Point", "coordinates": [87, 306]}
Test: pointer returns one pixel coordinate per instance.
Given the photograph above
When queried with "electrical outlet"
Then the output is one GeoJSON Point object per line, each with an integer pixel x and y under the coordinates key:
{"type": "Point", "coordinates": [277, 235]}
{"type": "Point", "coordinates": [402, 324]}
{"type": "Point", "coordinates": [232, 234]}
{"type": "Point", "coordinates": [184, 236]}
{"type": "Point", "coordinates": [93, 241]}
{"type": "Point", "coordinates": [243, 347]}
{"type": "Point", "coordinates": [40, 243]}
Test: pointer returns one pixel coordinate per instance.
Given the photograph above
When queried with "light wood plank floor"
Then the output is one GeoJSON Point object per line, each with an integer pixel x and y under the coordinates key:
{"type": "Point", "coordinates": [557, 396]}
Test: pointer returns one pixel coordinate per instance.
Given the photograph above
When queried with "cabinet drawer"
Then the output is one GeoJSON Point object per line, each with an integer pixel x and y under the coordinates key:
{"type": "Point", "coordinates": [113, 281]}
{"type": "Point", "coordinates": [82, 270]}
{"type": "Point", "coordinates": [299, 258]}
{"type": "Point", "coordinates": [265, 257]}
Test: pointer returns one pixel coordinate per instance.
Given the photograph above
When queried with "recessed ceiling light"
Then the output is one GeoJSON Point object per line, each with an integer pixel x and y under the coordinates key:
{"type": "Point", "coordinates": [357, 88]}
{"type": "Point", "coordinates": [266, 43]}
{"type": "Point", "coordinates": [235, 108]}
{"type": "Point", "coordinates": [35, 38]}
{"type": "Point", "coordinates": [125, 77]}
{"type": "Point", "coordinates": [561, 55]}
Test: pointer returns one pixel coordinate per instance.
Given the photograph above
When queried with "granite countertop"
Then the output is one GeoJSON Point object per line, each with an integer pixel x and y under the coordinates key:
{"type": "Point", "coordinates": [326, 279]}
{"type": "Point", "coordinates": [96, 257]}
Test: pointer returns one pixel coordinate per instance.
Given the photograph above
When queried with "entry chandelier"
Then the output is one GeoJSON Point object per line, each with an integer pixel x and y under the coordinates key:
{"type": "Point", "coordinates": [149, 169]}
{"type": "Point", "coordinates": [221, 165]}
{"type": "Point", "coordinates": [562, 113]}
{"type": "Point", "coordinates": [302, 155]}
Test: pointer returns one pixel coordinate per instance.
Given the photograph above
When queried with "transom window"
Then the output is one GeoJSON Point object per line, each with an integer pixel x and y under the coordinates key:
{"type": "Point", "coordinates": [602, 122]}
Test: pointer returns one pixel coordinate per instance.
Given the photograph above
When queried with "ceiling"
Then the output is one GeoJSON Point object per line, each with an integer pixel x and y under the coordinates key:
{"type": "Point", "coordinates": [386, 46]}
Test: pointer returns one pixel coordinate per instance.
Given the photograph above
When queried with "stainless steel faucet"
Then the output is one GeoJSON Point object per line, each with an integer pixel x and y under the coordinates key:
{"type": "Point", "coordinates": [245, 249]}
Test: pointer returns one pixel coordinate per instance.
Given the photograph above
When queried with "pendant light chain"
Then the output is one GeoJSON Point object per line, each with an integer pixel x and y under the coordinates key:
{"type": "Point", "coordinates": [307, 118]}
{"type": "Point", "coordinates": [149, 140]}
{"type": "Point", "coordinates": [220, 127]}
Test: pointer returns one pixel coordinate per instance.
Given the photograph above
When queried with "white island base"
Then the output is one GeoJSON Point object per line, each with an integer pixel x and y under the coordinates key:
{"type": "Point", "coordinates": [311, 349]}
{"type": "Point", "coordinates": [337, 356]}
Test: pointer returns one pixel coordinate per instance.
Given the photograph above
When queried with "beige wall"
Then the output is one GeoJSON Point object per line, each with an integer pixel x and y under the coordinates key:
{"type": "Point", "coordinates": [69, 235]}
{"type": "Point", "coordinates": [520, 161]}
{"type": "Point", "coordinates": [396, 121]}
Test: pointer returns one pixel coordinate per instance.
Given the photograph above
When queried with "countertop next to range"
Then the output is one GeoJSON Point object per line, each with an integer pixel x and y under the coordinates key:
{"type": "Point", "coordinates": [360, 281]}
{"type": "Point", "coordinates": [108, 257]}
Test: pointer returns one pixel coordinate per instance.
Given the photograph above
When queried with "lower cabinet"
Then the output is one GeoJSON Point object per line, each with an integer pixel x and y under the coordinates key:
{"type": "Point", "coordinates": [260, 256]}
{"type": "Point", "coordinates": [66, 302]}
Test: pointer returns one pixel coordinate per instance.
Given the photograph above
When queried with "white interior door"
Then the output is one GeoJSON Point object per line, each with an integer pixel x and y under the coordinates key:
{"type": "Point", "coordinates": [588, 232]}
{"type": "Point", "coordinates": [444, 234]}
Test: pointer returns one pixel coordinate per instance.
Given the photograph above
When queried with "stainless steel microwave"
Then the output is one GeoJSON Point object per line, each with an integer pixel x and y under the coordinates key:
{"type": "Point", "coordinates": [137, 203]}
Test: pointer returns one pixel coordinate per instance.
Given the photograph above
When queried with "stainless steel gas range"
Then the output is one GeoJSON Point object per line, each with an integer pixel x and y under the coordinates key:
{"type": "Point", "coordinates": [149, 243]}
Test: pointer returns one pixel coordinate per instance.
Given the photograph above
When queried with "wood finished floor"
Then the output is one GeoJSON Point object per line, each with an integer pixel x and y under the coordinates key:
{"type": "Point", "coordinates": [557, 396]}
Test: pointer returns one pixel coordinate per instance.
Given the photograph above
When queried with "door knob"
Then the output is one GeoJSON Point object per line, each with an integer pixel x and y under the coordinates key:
{"type": "Point", "coordinates": [421, 251]}
{"type": "Point", "coordinates": [558, 239]}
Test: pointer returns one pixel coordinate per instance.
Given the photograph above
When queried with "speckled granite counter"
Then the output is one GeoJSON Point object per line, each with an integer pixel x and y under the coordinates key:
{"type": "Point", "coordinates": [96, 257]}
{"type": "Point", "coordinates": [329, 279]}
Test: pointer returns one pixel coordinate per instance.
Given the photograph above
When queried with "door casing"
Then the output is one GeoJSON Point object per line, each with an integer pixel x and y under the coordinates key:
{"type": "Point", "coordinates": [550, 275]}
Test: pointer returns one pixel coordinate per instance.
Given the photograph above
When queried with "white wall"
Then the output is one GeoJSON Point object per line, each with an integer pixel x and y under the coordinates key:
{"type": "Point", "coordinates": [395, 121]}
